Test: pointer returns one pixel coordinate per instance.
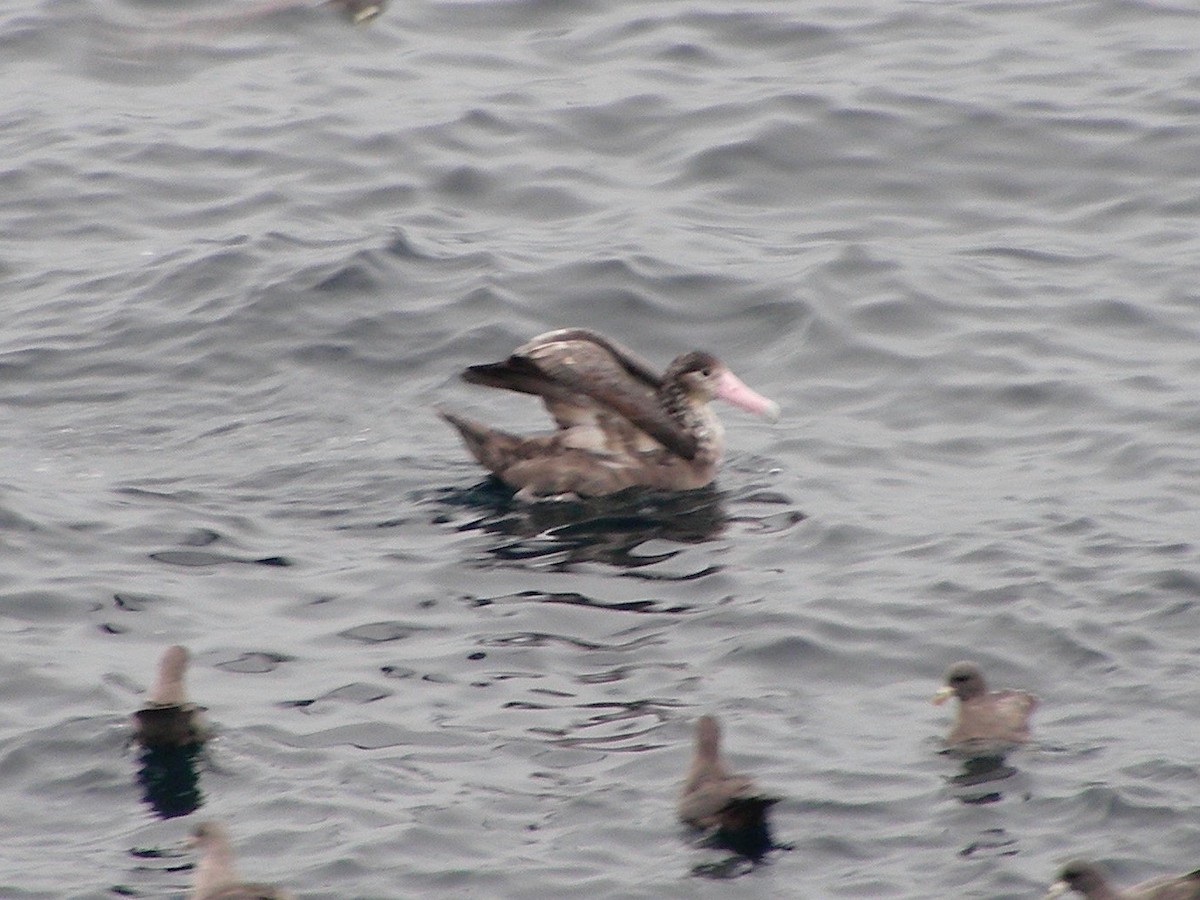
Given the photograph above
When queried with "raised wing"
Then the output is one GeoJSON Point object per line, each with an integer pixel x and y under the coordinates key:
{"type": "Point", "coordinates": [577, 367]}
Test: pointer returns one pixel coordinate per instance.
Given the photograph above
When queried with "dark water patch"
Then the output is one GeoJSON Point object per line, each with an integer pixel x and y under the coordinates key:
{"type": "Point", "coordinates": [785, 652]}
{"type": "Point", "coordinates": [1165, 770]}
{"type": "Point", "coordinates": [919, 316]}
{"type": "Point", "coordinates": [855, 261]}
{"type": "Point", "coordinates": [508, 675]}
{"type": "Point", "coordinates": [25, 36]}
{"type": "Point", "coordinates": [623, 673]}
{"type": "Point", "coordinates": [772, 524]}
{"type": "Point", "coordinates": [619, 127]}
{"type": "Point", "coordinates": [200, 537]}
{"type": "Point", "coordinates": [357, 693]}
{"type": "Point", "coordinates": [690, 575]}
{"type": "Point", "coordinates": [398, 672]}
{"type": "Point", "coordinates": [1179, 581]}
{"type": "Point", "coordinates": [180, 496]}
{"type": "Point", "coordinates": [544, 639]}
{"type": "Point", "coordinates": [575, 599]}
{"type": "Point", "coordinates": [616, 727]}
{"type": "Point", "coordinates": [766, 158]}
{"type": "Point", "coordinates": [41, 606]}
{"type": "Point", "coordinates": [207, 537]}
{"type": "Point", "coordinates": [89, 752]}
{"type": "Point", "coordinates": [376, 346]}
{"type": "Point", "coordinates": [254, 662]}
{"type": "Point", "coordinates": [755, 30]}
{"type": "Point", "coordinates": [365, 736]}
{"type": "Point", "coordinates": [623, 288]}
{"type": "Point", "coordinates": [471, 184]}
{"type": "Point", "coordinates": [381, 632]}
{"type": "Point", "coordinates": [402, 246]}
{"type": "Point", "coordinates": [1042, 395]}
{"type": "Point", "coordinates": [752, 493]}
{"type": "Point", "coordinates": [157, 859]}
{"type": "Point", "coordinates": [158, 853]}
{"type": "Point", "coordinates": [124, 683]}
{"type": "Point", "coordinates": [992, 842]}
{"type": "Point", "coordinates": [369, 270]}
{"type": "Point", "coordinates": [197, 558]}
{"type": "Point", "coordinates": [549, 201]}
{"type": "Point", "coordinates": [1116, 313]}
{"type": "Point", "coordinates": [1109, 807]}
{"type": "Point", "coordinates": [369, 736]}
{"type": "Point", "coordinates": [195, 284]}
{"type": "Point", "coordinates": [480, 303]}
{"type": "Point", "coordinates": [491, 123]}
{"type": "Point", "coordinates": [1033, 255]}
{"type": "Point", "coordinates": [352, 278]}
{"type": "Point", "coordinates": [11, 520]}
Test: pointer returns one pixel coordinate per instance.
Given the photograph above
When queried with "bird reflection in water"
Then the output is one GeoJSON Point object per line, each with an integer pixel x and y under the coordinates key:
{"type": "Point", "coordinates": [170, 780]}
{"type": "Point", "coordinates": [977, 782]}
{"type": "Point", "coordinates": [605, 530]}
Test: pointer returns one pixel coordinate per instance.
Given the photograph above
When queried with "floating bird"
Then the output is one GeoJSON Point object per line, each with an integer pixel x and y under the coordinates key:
{"type": "Point", "coordinates": [216, 878]}
{"type": "Point", "coordinates": [620, 423]}
{"type": "Point", "coordinates": [168, 719]}
{"type": "Point", "coordinates": [731, 805]}
{"type": "Point", "coordinates": [1089, 879]}
{"type": "Point", "coordinates": [986, 719]}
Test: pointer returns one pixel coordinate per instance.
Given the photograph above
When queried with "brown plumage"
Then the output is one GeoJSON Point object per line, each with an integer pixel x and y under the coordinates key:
{"type": "Point", "coordinates": [619, 423]}
{"type": "Point", "coordinates": [168, 719]}
{"type": "Point", "coordinates": [986, 720]}
{"type": "Point", "coordinates": [713, 797]}
{"type": "Point", "coordinates": [216, 878]}
{"type": "Point", "coordinates": [1090, 880]}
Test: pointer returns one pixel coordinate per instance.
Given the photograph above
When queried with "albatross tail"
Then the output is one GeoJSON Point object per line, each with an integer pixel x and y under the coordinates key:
{"type": "Point", "coordinates": [492, 448]}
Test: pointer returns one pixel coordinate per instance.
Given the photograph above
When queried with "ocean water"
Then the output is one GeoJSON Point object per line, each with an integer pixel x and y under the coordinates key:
{"type": "Point", "coordinates": [246, 249]}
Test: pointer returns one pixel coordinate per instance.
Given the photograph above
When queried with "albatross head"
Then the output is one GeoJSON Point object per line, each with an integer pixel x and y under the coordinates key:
{"type": "Point", "coordinates": [705, 378]}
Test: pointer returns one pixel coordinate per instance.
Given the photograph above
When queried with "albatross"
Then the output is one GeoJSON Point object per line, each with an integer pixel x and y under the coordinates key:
{"type": "Point", "coordinates": [620, 423]}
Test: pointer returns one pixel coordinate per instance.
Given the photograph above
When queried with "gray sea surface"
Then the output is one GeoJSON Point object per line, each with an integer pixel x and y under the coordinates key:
{"type": "Point", "coordinates": [246, 248]}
